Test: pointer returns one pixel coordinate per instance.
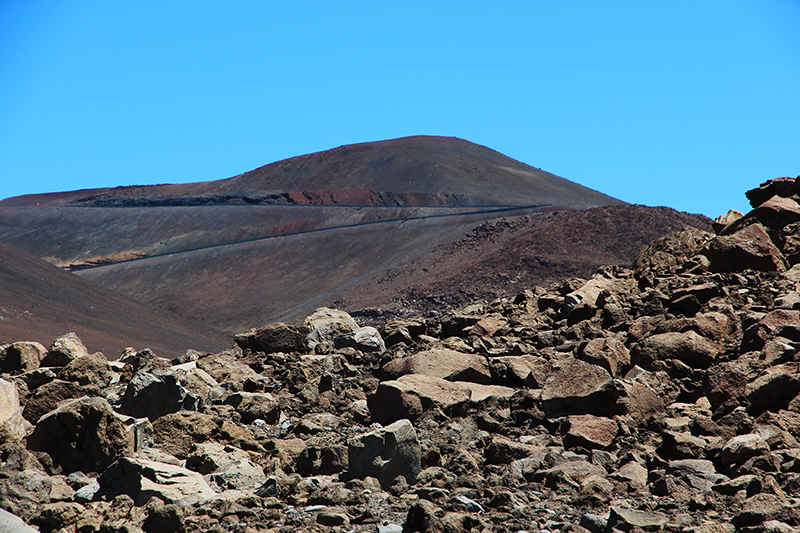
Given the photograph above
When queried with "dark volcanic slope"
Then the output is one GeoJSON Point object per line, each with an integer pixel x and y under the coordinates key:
{"type": "Point", "coordinates": [499, 258]}
{"type": "Point", "coordinates": [39, 302]}
{"type": "Point", "coordinates": [416, 171]}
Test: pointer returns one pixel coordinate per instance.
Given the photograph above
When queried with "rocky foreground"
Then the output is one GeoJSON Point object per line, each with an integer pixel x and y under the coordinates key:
{"type": "Point", "coordinates": [666, 397]}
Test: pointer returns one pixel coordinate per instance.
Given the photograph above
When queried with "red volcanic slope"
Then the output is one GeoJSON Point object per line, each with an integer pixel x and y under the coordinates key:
{"type": "Point", "coordinates": [39, 302]}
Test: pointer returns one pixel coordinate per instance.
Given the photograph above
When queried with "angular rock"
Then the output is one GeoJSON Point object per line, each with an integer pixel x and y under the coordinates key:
{"type": "Point", "coordinates": [774, 389]}
{"type": "Point", "coordinates": [760, 508]}
{"type": "Point", "coordinates": [254, 406]}
{"type": "Point", "coordinates": [625, 518]}
{"type": "Point", "coordinates": [88, 370]}
{"type": "Point", "coordinates": [502, 450]}
{"type": "Point", "coordinates": [11, 523]}
{"type": "Point", "coordinates": [783, 187]}
{"type": "Point", "coordinates": [152, 396]}
{"type": "Point", "coordinates": [21, 357]}
{"type": "Point", "coordinates": [695, 473]}
{"type": "Point", "coordinates": [442, 363]}
{"type": "Point", "coordinates": [12, 425]}
{"type": "Point", "coordinates": [411, 395]}
{"type": "Point", "coordinates": [748, 248]}
{"type": "Point", "coordinates": [632, 473]}
{"type": "Point", "coordinates": [588, 431]}
{"type": "Point", "coordinates": [63, 350]}
{"type": "Point", "coordinates": [687, 347]}
{"type": "Point", "coordinates": [365, 339]}
{"type": "Point", "coordinates": [488, 326]}
{"type": "Point", "coordinates": [724, 221]}
{"type": "Point", "coordinates": [666, 255]}
{"type": "Point", "coordinates": [176, 433]}
{"type": "Point", "coordinates": [638, 400]}
{"type": "Point", "coordinates": [142, 479]}
{"type": "Point", "coordinates": [743, 447]}
{"type": "Point", "coordinates": [577, 387]}
{"type": "Point", "coordinates": [326, 324]}
{"type": "Point", "coordinates": [273, 338]}
{"type": "Point", "coordinates": [610, 353]}
{"type": "Point", "coordinates": [23, 493]}
{"type": "Point", "coordinates": [778, 323]}
{"type": "Point", "coordinates": [240, 474]}
{"type": "Point", "coordinates": [209, 457]}
{"type": "Point", "coordinates": [385, 453]}
{"type": "Point", "coordinates": [83, 434]}
{"type": "Point", "coordinates": [479, 392]}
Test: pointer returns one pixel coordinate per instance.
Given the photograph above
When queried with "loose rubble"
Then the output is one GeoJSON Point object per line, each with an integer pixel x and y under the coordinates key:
{"type": "Point", "coordinates": [665, 397]}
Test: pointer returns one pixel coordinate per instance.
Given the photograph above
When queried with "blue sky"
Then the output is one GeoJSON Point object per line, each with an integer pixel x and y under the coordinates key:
{"type": "Point", "coordinates": [680, 103]}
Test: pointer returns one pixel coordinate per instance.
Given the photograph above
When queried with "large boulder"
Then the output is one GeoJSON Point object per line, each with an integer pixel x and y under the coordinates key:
{"type": "Point", "coordinates": [687, 347]}
{"type": "Point", "coordinates": [142, 479]}
{"type": "Point", "coordinates": [177, 433]}
{"type": "Point", "coordinates": [47, 397]}
{"type": "Point", "coordinates": [774, 389]}
{"type": "Point", "coordinates": [63, 350]}
{"type": "Point", "coordinates": [254, 406]}
{"type": "Point", "coordinates": [442, 363]}
{"type": "Point", "coordinates": [411, 395]}
{"type": "Point", "coordinates": [12, 425]}
{"type": "Point", "coordinates": [366, 339]}
{"type": "Point", "coordinates": [83, 434]}
{"type": "Point", "coordinates": [152, 396]}
{"type": "Point", "coordinates": [578, 387]}
{"type": "Point", "coordinates": [88, 369]}
{"type": "Point", "coordinates": [21, 357]}
{"type": "Point", "coordinates": [748, 248]}
{"type": "Point", "coordinates": [273, 338]}
{"type": "Point", "coordinates": [385, 454]}
{"type": "Point", "coordinates": [24, 493]}
{"type": "Point", "coordinates": [326, 324]}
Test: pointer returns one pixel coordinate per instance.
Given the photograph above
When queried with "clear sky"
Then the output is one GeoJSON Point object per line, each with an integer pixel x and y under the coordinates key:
{"type": "Point", "coordinates": [680, 103]}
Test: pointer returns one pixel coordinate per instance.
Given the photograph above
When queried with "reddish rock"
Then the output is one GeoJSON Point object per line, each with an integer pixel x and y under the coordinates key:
{"type": "Point", "coordinates": [687, 347]}
{"type": "Point", "coordinates": [21, 357]}
{"type": "Point", "coordinates": [578, 387]}
{"type": "Point", "coordinates": [588, 431]}
{"type": "Point", "coordinates": [610, 353]}
{"type": "Point", "coordinates": [411, 395]}
{"type": "Point", "coordinates": [774, 389]}
{"type": "Point", "coordinates": [442, 363]}
{"type": "Point", "coordinates": [83, 434]}
{"type": "Point", "coordinates": [748, 248]}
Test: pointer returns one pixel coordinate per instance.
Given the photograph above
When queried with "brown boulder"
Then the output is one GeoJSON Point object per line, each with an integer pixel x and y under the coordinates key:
{"type": "Point", "coordinates": [176, 433]}
{"type": "Point", "coordinates": [88, 370]}
{"type": "Point", "coordinates": [578, 387]}
{"type": "Point", "coordinates": [63, 350]}
{"type": "Point", "coordinates": [21, 357]}
{"type": "Point", "coordinates": [748, 248]}
{"type": "Point", "coordinates": [608, 352]}
{"type": "Point", "coordinates": [687, 347]}
{"type": "Point", "coordinates": [442, 363]}
{"type": "Point", "coordinates": [12, 425]}
{"type": "Point", "coordinates": [784, 187]}
{"type": "Point", "coordinates": [411, 395]}
{"type": "Point", "coordinates": [47, 397]}
{"type": "Point", "coordinates": [83, 434]}
{"type": "Point", "coordinates": [588, 431]}
{"type": "Point", "coordinates": [774, 389]}
{"type": "Point", "coordinates": [272, 338]}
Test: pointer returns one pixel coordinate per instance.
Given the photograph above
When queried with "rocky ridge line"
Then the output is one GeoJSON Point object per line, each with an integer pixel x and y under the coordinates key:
{"type": "Point", "coordinates": [662, 397]}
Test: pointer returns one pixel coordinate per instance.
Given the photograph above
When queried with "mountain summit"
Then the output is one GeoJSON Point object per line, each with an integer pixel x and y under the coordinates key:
{"type": "Point", "coordinates": [410, 171]}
